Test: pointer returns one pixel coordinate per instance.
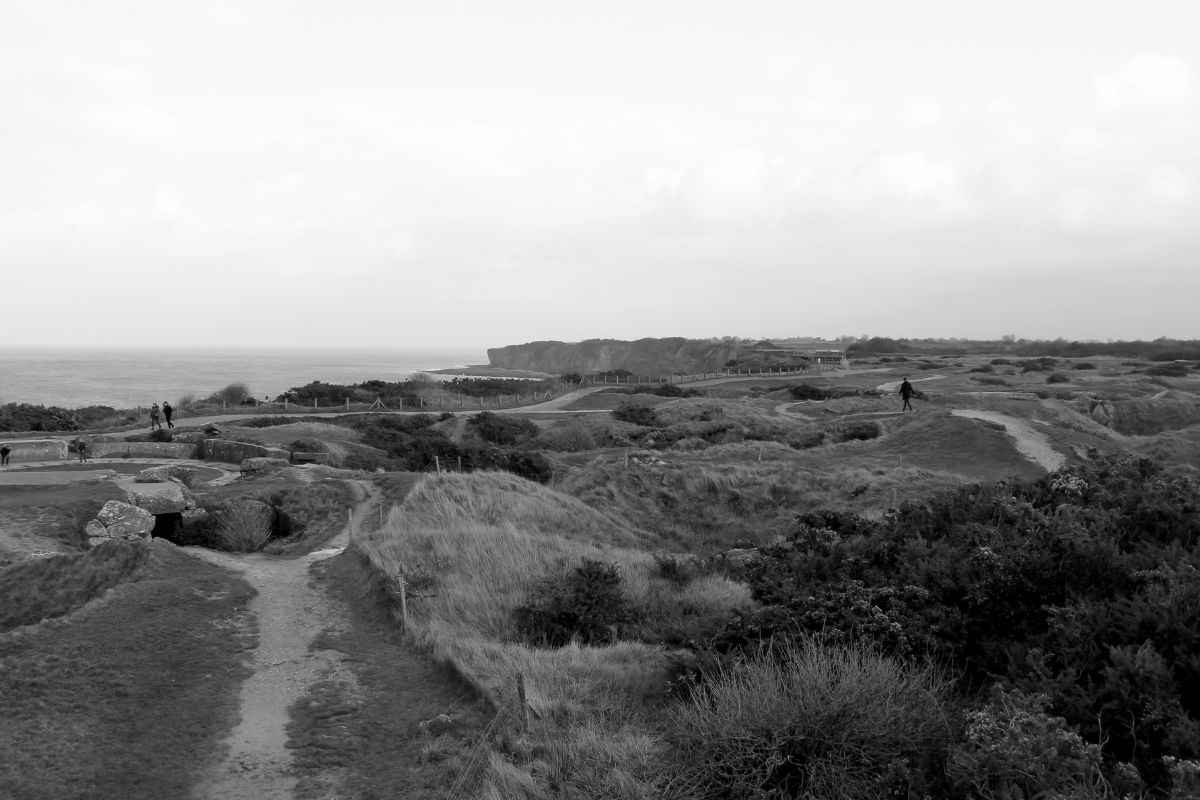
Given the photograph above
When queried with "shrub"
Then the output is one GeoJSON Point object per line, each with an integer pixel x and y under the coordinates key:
{"type": "Point", "coordinates": [1174, 370]}
{"type": "Point", "coordinates": [989, 381]}
{"type": "Point", "coordinates": [587, 604]}
{"type": "Point", "coordinates": [636, 414]}
{"type": "Point", "coordinates": [243, 528]}
{"type": "Point", "coordinates": [806, 391]}
{"type": "Point", "coordinates": [819, 722]}
{"type": "Point", "coordinates": [501, 429]}
{"type": "Point", "coordinates": [857, 430]}
{"type": "Point", "coordinates": [1057, 377]}
{"type": "Point", "coordinates": [984, 368]}
{"type": "Point", "coordinates": [234, 394]}
{"type": "Point", "coordinates": [160, 435]}
{"type": "Point", "coordinates": [1013, 748]}
{"type": "Point", "coordinates": [1084, 365]}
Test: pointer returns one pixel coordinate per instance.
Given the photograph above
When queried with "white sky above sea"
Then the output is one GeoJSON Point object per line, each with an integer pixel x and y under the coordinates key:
{"type": "Point", "coordinates": [472, 173]}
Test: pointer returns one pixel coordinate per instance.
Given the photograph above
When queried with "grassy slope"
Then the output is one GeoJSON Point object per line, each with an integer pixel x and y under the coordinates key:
{"type": "Point", "coordinates": [126, 698]}
{"type": "Point", "coordinates": [487, 539]}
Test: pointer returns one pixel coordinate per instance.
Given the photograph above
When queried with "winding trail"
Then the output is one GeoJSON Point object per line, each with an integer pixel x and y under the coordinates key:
{"type": "Point", "coordinates": [290, 611]}
{"type": "Point", "coordinates": [1030, 442]}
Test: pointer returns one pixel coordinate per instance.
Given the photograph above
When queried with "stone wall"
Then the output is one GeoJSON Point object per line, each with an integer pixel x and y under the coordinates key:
{"type": "Point", "coordinates": [237, 452]}
{"type": "Point", "coordinates": [141, 450]}
{"type": "Point", "coordinates": [36, 450]}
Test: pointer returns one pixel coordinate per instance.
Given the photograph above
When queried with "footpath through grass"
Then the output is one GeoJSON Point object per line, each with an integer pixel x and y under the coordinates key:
{"type": "Point", "coordinates": [130, 696]}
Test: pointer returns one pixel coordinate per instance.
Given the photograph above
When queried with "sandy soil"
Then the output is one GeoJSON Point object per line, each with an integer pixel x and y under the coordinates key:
{"type": "Point", "coordinates": [291, 612]}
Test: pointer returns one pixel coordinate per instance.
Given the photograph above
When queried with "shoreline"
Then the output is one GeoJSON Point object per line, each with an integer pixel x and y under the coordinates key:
{"type": "Point", "coordinates": [487, 371]}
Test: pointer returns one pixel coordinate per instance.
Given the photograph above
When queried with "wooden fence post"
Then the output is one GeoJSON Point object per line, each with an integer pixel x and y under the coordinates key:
{"type": "Point", "coordinates": [521, 698]}
{"type": "Point", "coordinates": [403, 598]}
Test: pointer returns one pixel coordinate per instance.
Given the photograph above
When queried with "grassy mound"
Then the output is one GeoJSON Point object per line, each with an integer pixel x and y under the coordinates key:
{"type": "Point", "coordinates": [479, 545]}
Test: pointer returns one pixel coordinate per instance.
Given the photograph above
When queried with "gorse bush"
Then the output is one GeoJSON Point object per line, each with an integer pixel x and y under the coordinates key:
{"type": "Point", "coordinates": [806, 391]}
{"type": "Point", "coordinates": [585, 605]}
{"type": "Point", "coordinates": [1076, 587]}
{"type": "Point", "coordinates": [501, 429]}
{"type": "Point", "coordinates": [636, 414]}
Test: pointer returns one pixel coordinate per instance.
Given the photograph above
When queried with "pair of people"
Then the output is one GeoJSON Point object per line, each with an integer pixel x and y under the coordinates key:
{"type": "Point", "coordinates": [167, 411]}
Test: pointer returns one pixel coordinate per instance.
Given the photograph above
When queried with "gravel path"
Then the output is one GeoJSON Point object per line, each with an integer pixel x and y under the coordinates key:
{"type": "Point", "coordinates": [290, 611]}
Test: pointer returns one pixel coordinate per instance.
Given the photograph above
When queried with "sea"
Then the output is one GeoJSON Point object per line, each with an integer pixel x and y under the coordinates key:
{"type": "Point", "coordinates": [136, 377]}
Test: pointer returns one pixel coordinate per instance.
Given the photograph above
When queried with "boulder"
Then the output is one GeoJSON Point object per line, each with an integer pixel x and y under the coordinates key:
{"type": "Point", "coordinates": [169, 497]}
{"type": "Point", "coordinates": [118, 520]}
{"type": "Point", "coordinates": [154, 475]}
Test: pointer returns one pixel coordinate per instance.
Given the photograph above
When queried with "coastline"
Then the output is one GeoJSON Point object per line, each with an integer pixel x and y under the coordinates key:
{"type": "Point", "coordinates": [486, 371]}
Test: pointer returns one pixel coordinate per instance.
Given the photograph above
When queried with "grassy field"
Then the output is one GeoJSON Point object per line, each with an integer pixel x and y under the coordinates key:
{"type": "Point", "coordinates": [132, 696]}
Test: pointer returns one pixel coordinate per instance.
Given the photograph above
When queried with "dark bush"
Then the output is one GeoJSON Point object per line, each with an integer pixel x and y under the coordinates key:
{"type": "Point", "coordinates": [857, 430]}
{"type": "Point", "coordinates": [1172, 370]}
{"type": "Point", "coordinates": [1084, 365]}
{"type": "Point", "coordinates": [636, 414]}
{"type": "Point", "coordinates": [529, 464]}
{"type": "Point", "coordinates": [502, 429]}
{"type": "Point", "coordinates": [1057, 377]}
{"type": "Point", "coordinates": [806, 391]}
{"type": "Point", "coordinates": [587, 604]}
{"type": "Point", "coordinates": [983, 368]}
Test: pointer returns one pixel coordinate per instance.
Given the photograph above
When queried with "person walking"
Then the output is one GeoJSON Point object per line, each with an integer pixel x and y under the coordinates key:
{"type": "Point", "coordinates": [154, 417]}
{"type": "Point", "coordinates": [82, 446]}
{"type": "Point", "coordinates": [167, 412]}
{"type": "Point", "coordinates": [907, 391]}
{"type": "Point", "coordinates": [4, 451]}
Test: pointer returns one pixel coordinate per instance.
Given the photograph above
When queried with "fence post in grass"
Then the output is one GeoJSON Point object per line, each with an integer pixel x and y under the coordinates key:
{"type": "Point", "coordinates": [403, 597]}
{"type": "Point", "coordinates": [524, 703]}
{"type": "Point", "coordinates": [437, 462]}
{"type": "Point", "coordinates": [460, 464]}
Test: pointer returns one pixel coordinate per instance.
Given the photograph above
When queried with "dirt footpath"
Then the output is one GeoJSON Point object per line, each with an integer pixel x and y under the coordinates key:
{"type": "Point", "coordinates": [335, 703]}
{"type": "Point", "coordinates": [1029, 441]}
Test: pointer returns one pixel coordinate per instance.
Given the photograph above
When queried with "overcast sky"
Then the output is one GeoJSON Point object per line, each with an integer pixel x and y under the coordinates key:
{"type": "Point", "coordinates": [485, 173]}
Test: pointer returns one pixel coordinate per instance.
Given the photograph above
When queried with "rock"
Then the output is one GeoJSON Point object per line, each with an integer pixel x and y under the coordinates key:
{"type": "Point", "coordinates": [118, 520]}
{"type": "Point", "coordinates": [262, 464]}
{"type": "Point", "coordinates": [154, 475]}
{"type": "Point", "coordinates": [193, 516]}
{"type": "Point", "coordinates": [159, 498]}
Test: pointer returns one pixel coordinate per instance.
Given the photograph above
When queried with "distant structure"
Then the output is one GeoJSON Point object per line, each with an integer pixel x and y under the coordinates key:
{"type": "Point", "coordinates": [837, 357]}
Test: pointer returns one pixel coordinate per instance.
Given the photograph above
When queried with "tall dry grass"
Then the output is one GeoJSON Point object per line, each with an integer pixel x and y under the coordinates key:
{"type": "Point", "coordinates": [816, 722]}
{"type": "Point", "coordinates": [244, 527]}
{"type": "Point", "coordinates": [484, 541]}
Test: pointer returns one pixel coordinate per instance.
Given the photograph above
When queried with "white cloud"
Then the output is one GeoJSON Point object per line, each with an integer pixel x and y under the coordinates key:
{"type": "Point", "coordinates": [1148, 79]}
{"type": "Point", "coordinates": [140, 121]}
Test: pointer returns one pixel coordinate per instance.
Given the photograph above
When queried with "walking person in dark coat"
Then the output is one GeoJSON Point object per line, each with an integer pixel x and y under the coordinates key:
{"type": "Point", "coordinates": [907, 391]}
{"type": "Point", "coordinates": [154, 417]}
{"type": "Point", "coordinates": [4, 451]}
{"type": "Point", "coordinates": [167, 412]}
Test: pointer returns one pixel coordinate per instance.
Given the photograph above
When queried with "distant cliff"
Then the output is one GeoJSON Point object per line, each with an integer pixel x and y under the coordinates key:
{"type": "Point", "coordinates": [643, 357]}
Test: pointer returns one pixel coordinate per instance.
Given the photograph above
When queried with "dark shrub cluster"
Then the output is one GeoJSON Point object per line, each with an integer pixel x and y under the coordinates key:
{"type": "Point", "coordinates": [1057, 377]}
{"type": "Point", "coordinates": [806, 391]}
{"type": "Point", "coordinates": [1080, 588]}
{"type": "Point", "coordinates": [636, 414]}
{"type": "Point", "coordinates": [587, 604]}
{"type": "Point", "coordinates": [501, 429]}
{"type": "Point", "coordinates": [1170, 370]}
